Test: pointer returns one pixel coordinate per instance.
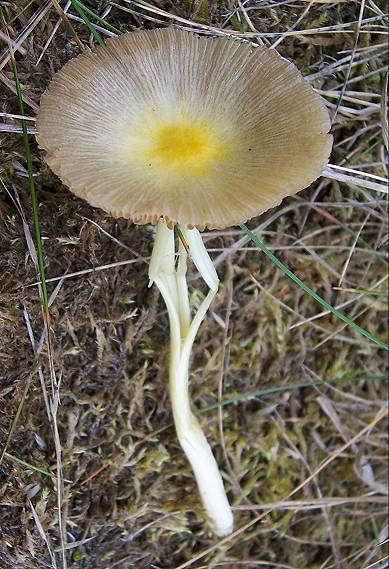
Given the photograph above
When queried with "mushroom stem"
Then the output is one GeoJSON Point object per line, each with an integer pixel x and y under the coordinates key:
{"type": "Point", "coordinates": [172, 284]}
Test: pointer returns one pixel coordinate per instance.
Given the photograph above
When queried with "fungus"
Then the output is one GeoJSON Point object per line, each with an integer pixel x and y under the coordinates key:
{"type": "Point", "coordinates": [186, 132]}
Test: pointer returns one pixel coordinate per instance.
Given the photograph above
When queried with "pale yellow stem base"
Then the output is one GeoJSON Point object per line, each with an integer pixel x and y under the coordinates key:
{"type": "Point", "coordinates": [171, 282]}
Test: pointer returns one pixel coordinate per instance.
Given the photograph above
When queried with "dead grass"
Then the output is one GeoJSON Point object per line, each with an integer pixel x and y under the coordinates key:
{"type": "Point", "coordinates": [128, 495]}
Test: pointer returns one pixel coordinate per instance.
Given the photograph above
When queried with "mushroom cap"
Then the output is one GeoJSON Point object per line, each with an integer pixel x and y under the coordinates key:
{"type": "Point", "coordinates": [205, 132]}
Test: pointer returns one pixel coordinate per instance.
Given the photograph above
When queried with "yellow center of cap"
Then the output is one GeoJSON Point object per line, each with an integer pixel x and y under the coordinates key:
{"type": "Point", "coordinates": [186, 145]}
{"type": "Point", "coordinates": [170, 145]}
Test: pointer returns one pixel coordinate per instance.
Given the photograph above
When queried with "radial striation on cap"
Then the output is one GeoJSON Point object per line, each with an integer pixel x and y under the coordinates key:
{"type": "Point", "coordinates": [206, 132]}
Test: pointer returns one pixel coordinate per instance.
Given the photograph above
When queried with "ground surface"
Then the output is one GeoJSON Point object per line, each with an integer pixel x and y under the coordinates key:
{"type": "Point", "coordinates": [127, 495]}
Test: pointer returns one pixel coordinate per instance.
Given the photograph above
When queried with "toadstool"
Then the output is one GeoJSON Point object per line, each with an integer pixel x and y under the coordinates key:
{"type": "Point", "coordinates": [187, 132]}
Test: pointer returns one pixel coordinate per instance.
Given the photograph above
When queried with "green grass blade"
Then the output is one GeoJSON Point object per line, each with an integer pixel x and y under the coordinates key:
{"type": "Point", "coordinates": [288, 387]}
{"type": "Point", "coordinates": [309, 291]}
{"type": "Point", "coordinates": [368, 149]}
{"type": "Point", "coordinates": [80, 11]}
{"type": "Point", "coordinates": [28, 465]}
{"type": "Point", "coordinates": [15, 420]}
{"type": "Point", "coordinates": [37, 233]}
{"type": "Point", "coordinates": [98, 19]}
{"type": "Point", "coordinates": [383, 293]}
{"type": "Point", "coordinates": [378, 293]}
{"type": "Point", "coordinates": [269, 390]}
{"type": "Point", "coordinates": [31, 187]}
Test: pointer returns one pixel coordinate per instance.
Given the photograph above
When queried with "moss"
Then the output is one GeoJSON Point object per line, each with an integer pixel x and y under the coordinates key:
{"type": "Point", "coordinates": [127, 487]}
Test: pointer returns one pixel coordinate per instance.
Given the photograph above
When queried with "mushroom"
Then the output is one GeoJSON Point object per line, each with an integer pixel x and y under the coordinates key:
{"type": "Point", "coordinates": [187, 132]}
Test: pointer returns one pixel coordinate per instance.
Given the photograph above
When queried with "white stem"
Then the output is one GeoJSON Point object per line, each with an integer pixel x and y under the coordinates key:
{"type": "Point", "coordinates": [183, 331]}
{"type": "Point", "coordinates": [200, 257]}
{"type": "Point", "coordinates": [182, 291]}
{"type": "Point", "coordinates": [162, 258]}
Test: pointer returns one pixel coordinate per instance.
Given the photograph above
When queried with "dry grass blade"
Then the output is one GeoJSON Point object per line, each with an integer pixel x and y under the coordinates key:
{"type": "Point", "coordinates": [55, 29]}
{"type": "Point", "coordinates": [356, 39]}
{"type": "Point", "coordinates": [43, 535]}
{"type": "Point", "coordinates": [295, 24]}
{"type": "Point", "coordinates": [15, 47]}
{"type": "Point", "coordinates": [27, 30]}
{"type": "Point", "coordinates": [343, 305]}
{"type": "Point", "coordinates": [11, 85]}
{"type": "Point", "coordinates": [87, 271]}
{"type": "Point", "coordinates": [68, 25]}
{"type": "Point", "coordinates": [317, 503]}
{"type": "Point", "coordinates": [384, 112]}
{"type": "Point", "coordinates": [16, 128]}
{"type": "Point", "coordinates": [333, 174]}
{"type": "Point", "coordinates": [13, 116]}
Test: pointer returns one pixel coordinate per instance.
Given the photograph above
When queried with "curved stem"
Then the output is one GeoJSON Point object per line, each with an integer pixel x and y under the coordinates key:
{"type": "Point", "coordinates": [173, 287]}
